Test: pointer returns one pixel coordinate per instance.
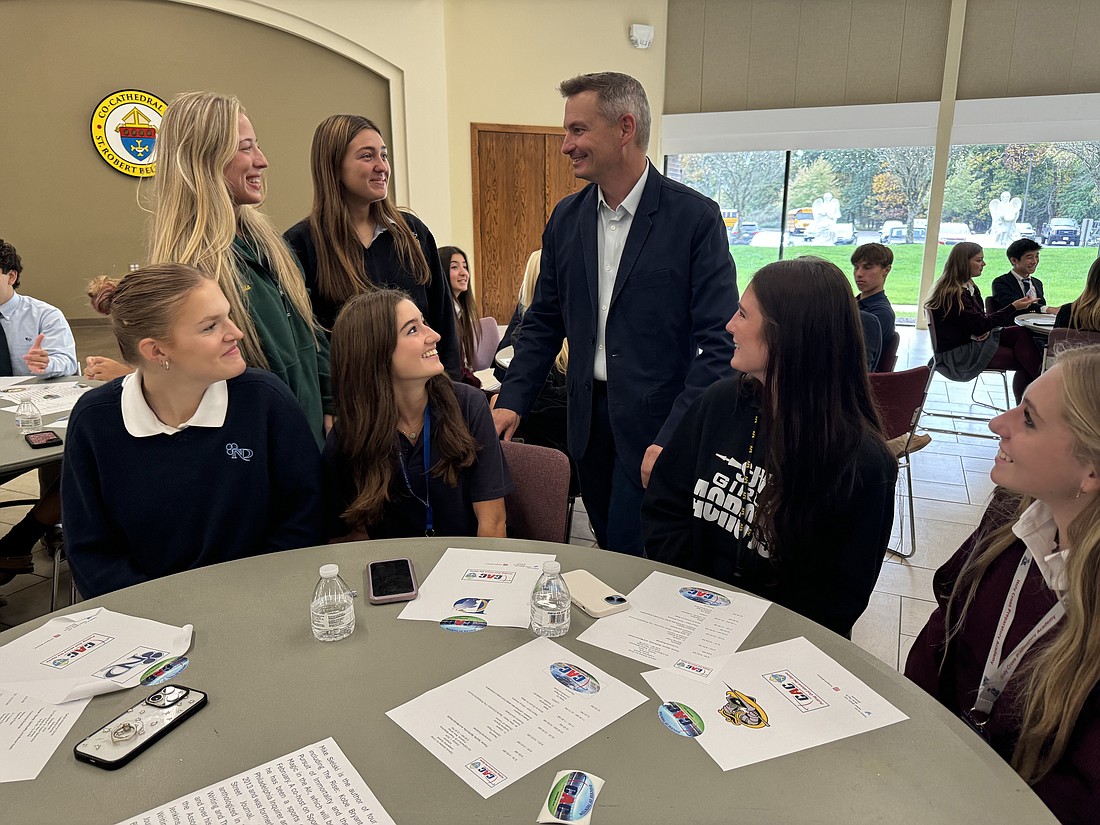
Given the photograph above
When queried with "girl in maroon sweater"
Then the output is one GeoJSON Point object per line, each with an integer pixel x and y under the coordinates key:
{"type": "Point", "coordinates": [965, 338]}
{"type": "Point", "coordinates": [1013, 647]}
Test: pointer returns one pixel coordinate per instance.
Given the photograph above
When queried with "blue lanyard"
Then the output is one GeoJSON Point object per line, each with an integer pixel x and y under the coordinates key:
{"type": "Point", "coordinates": [429, 522]}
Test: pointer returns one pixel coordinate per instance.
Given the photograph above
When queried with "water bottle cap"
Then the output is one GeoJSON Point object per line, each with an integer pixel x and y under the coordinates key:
{"type": "Point", "coordinates": [330, 571]}
{"type": "Point", "coordinates": [551, 567]}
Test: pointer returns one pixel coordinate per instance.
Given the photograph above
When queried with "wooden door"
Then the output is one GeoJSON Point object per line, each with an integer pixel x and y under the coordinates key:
{"type": "Point", "coordinates": [519, 175]}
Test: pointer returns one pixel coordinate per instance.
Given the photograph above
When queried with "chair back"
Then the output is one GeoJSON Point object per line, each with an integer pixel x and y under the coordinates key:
{"type": "Point", "coordinates": [991, 306]}
{"type": "Point", "coordinates": [538, 507]}
{"type": "Point", "coordinates": [931, 329]}
{"type": "Point", "coordinates": [888, 358]}
{"type": "Point", "coordinates": [487, 347]}
{"type": "Point", "coordinates": [899, 397]}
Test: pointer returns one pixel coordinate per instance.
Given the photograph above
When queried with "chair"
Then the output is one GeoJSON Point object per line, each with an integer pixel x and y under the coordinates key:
{"type": "Point", "coordinates": [934, 363]}
{"type": "Point", "coordinates": [1062, 339]}
{"type": "Point", "coordinates": [900, 400]}
{"type": "Point", "coordinates": [538, 506]}
{"type": "Point", "coordinates": [487, 347]}
{"type": "Point", "coordinates": [888, 358]}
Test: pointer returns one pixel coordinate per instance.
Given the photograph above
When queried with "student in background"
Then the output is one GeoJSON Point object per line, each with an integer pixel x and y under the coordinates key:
{"type": "Point", "coordinates": [453, 261]}
{"type": "Point", "coordinates": [209, 188]}
{"type": "Point", "coordinates": [967, 339]}
{"type": "Point", "coordinates": [355, 240]}
{"type": "Point", "coordinates": [1020, 281]}
{"type": "Point", "coordinates": [1013, 647]}
{"type": "Point", "coordinates": [871, 263]}
{"type": "Point", "coordinates": [37, 341]}
{"type": "Point", "coordinates": [412, 452]}
{"type": "Point", "coordinates": [191, 459]}
{"type": "Point", "coordinates": [1084, 313]}
{"type": "Point", "coordinates": [778, 480]}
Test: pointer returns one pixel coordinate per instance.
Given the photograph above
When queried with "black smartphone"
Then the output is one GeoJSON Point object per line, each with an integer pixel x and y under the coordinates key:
{"type": "Point", "coordinates": [128, 734]}
{"type": "Point", "coordinates": [392, 580]}
{"type": "Point", "coordinates": [45, 438]}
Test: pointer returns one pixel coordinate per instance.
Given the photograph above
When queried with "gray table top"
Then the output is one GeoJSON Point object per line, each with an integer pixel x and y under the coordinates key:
{"type": "Point", "coordinates": [274, 689]}
{"type": "Point", "coordinates": [15, 453]}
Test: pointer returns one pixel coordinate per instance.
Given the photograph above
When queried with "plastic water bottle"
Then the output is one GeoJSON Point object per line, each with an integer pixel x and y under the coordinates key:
{"type": "Point", "coordinates": [332, 611]}
{"type": "Point", "coordinates": [28, 419]}
{"type": "Point", "coordinates": [550, 603]}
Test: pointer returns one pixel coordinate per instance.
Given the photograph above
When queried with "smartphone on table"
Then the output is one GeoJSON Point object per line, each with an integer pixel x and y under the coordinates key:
{"type": "Point", "coordinates": [392, 580]}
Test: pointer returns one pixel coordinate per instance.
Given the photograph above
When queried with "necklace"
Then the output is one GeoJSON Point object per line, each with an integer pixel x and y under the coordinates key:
{"type": "Point", "coordinates": [409, 434]}
{"type": "Point", "coordinates": [752, 443]}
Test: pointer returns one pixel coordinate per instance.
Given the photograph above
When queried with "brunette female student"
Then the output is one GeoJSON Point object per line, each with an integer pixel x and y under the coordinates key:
{"type": "Point", "coordinates": [355, 240]}
{"type": "Point", "coordinates": [191, 459]}
{"type": "Point", "coordinates": [1013, 646]}
{"type": "Point", "coordinates": [467, 317]}
{"type": "Point", "coordinates": [412, 453]}
{"type": "Point", "coordinates": [778, 480]}
{"type": "Point", "coordinates": [967, 339]}
{"type": "Point", "coordinates": [209, 187]}
{"type": "Point", "coordinates": [1084, 313]}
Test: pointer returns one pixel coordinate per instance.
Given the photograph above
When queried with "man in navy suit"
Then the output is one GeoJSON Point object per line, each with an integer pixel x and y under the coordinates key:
{"type": "Point", "coordinates": [1019, 281]}
{"type": "Point", "coordinates": [637, 274]}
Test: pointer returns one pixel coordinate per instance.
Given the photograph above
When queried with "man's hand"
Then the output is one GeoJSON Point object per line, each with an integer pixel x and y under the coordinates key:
{"type": "Point", "coordinates": [648, 460]}
{"type": "Point", "coordinates": [37, 359]}
{"type": "Point", "coordinates": [506, 422]}
{"type": "Point", "coordinates": [1023, 303]}
{"type": "Point", "coordinates": [104, 369]}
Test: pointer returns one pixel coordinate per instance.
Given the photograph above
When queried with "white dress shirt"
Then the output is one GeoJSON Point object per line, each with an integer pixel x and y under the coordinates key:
{"type": "Point", "coordinates": [1037, 530]}
{"type": "Point", "coordinates": [23, 318]}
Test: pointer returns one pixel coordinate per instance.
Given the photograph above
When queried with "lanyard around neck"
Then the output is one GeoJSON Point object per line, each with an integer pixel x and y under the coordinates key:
{"type": "Point", "coordinates": [426, 435]}
{"type": "Point", "coordinates": [996, 676]}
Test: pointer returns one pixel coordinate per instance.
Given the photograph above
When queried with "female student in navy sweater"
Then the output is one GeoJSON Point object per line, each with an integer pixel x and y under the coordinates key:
{"type": "Point", "coordinates": [411, 452]}
{"type": "Point", "coordinates": [191, 459]}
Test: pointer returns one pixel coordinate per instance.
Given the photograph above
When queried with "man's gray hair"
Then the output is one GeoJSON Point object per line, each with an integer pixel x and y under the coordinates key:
{"type": "Point", "coordinates": [617, 94]}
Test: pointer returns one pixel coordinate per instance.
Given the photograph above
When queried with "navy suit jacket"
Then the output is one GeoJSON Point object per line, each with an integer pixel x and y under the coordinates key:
{"type": "Point", "coordinates": [1006, 289]}
{"type": "Point", "coordinates": [665, 338]}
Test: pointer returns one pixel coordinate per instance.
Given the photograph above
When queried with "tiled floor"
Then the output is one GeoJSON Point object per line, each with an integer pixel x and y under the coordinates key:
{"type": "Point", "coordinates": [951, 487]}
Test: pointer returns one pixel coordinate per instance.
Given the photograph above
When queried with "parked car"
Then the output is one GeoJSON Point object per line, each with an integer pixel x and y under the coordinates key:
{"type": "Point", "coordinates": [887, 228]}
{"type": "Point", "coordinates": [766, 237]}
{"type": "Point", "coordinates": [1061, 231]}
{"type": "Point", "coordinates": [1026, 230]}
{"type": "Point", "coordinates": [845, 233]}
{"type": "Point", "coordinates": [898, 235]}
{"type": "Point", "coordinates": [953, 233]}
{"type": "Point", "coordinates": [748, 231]}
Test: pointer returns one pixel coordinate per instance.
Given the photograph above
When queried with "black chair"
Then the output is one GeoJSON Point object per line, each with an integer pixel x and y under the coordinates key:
{"type": "Point", "coordinates": [888, 358]}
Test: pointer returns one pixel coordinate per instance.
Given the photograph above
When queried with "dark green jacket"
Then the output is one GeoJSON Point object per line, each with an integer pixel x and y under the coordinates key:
{"type": "Point", "coordinates": [294, 352]}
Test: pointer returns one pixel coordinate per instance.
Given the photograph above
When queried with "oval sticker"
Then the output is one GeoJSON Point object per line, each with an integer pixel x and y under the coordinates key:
{"type": "Point", "coordinates": [472, 605]}
{"type": "Point", "coordinates": [572, 797]}
{"type": "Point", "coordinates": [164, 671]}
{"type": "Point", "coordinates": [680, 719]}
{"type": "Point", "coordinates": [463, 624]}
{"type": "Point", "coordinates": [574, 678]}
{"type": "Point", "coordinates": [707, 597]}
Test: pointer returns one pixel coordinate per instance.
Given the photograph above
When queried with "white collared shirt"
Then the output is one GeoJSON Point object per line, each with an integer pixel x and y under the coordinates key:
{"type": "Point", "coordinates": [1037, 530]}
{"type": "Point", "coordinates": [22, 318]}
{"type": "Point", "coordinates": [140, 420]}
{"type": "Point", "coordinates": [614, 227]}
{"type": "Point", "coordinates": [1030, 291]}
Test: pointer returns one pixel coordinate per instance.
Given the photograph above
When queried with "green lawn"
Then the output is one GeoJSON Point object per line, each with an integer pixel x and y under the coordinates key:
{"type": "Point", "coordinates": [1061, 269]}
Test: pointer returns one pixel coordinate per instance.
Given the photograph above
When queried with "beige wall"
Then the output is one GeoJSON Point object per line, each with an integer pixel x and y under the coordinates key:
{"type": "Point", "coordinates": [737, 55]}
{"type": "Point", "coordinates": [72, 216]}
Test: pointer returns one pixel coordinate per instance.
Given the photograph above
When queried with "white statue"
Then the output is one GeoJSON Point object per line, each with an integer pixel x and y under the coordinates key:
{"type": "Point", "coordinates": [826, 214]}
{"type": "Point", "coordinates": [1004, 213]}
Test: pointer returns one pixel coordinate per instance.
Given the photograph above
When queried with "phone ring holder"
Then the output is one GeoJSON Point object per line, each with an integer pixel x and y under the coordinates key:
{"type": "Point", "coordinates": [126, 730]}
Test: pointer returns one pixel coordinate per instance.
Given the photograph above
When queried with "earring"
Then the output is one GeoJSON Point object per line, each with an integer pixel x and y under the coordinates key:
{"type": "Point", "coordinates": [1078, 494]}
{"type": "Point", "coordinates": [167, 365]}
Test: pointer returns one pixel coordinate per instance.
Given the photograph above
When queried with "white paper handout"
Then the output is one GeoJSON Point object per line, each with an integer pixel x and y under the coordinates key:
{"type": "Point", "coordinates": [678, 623]}
{"type": "Point", "coordinates": [508, 717]}
{"type": "Point", "coordinates": [492, 584]}
{"type": "Point", "coordinates": [88, 653]}
{"type": "Point", "coordinates": [30, 731]}
{"type": "Point", "coordinates": [314, 784]}
{"type": "Point", "coordinates": [768, 702]}
{"type": "Point", "coordinates": [49, 398]}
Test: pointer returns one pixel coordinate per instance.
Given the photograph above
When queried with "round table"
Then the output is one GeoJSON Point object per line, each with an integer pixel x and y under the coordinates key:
{"type": "Point", "coordinates": [274, 689]}
{"type": "Point", "coordinates": [1039, 322]}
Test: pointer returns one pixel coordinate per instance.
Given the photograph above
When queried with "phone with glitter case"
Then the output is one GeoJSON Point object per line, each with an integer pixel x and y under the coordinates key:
{"type": "Point", "coordinates": [134, 730]}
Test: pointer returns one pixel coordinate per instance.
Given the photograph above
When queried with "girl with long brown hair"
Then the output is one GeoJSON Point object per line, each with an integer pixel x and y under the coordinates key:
{"type": "Point", "coordinates": [1013, 647]}
{"type": "Point", "coordinates": [411, 453]}
{"type": "Point", "coordinates": [355, 240]}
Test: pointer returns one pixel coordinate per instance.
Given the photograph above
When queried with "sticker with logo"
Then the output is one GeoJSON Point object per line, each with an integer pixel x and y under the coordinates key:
{"type": "Point", "coordinates": [572, 797]}
{"type": "Point", "coordinates": [486, 772]}
{"type": "Point", "coordinates": [160, 673]}
{"type": "Point", "coordinates": [795, 690]}
{"type": "Point", "coordinates": [680, 719]}
{"type": "Point", "coordinates": [472, 605]}
{"type": "Point", "coordinates": [463, 624]}
{"type": "Point", "coordinates": [139, 657]}
{"type": "Point", "coordinates": [691, 667]}
{"type": "Point", "coordinates": [707, 597]}
{"type": "Point", "coordinates": [491, 576]}
{"type": "Point", "coordinates": [574, 678]}
{"type": "Point", "coordinates": [743, 710]}
{"type": "Point", "coordinates": [66, 657]}
{"type": "Point", "coordinates": [124, 131]}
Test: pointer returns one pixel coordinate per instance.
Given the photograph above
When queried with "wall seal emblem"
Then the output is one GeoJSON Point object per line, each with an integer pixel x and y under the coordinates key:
{"type": "Point", "coordinates": [124, 131]}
